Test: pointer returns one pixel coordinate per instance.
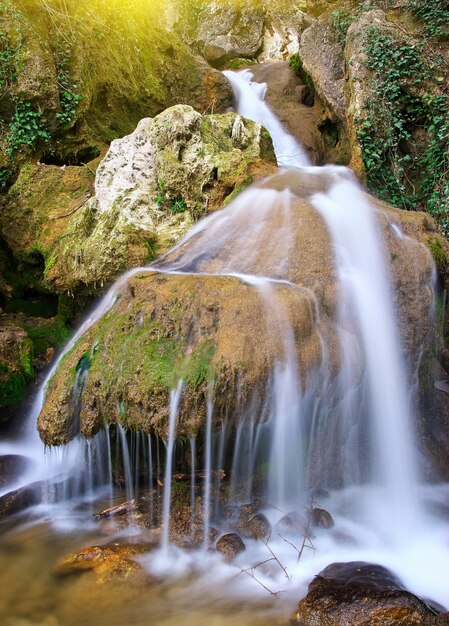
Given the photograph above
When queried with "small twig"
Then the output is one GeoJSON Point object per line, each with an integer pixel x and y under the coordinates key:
{"type": "Point", "coordinates": [60, 217]}
{"type": "Point", "coordinates": [251, 575]}
{"type": "Point", "coordinates": [283, 568]}
{"type": "Point", "coordinates": [289, 542]}
{"type": "Point", "coordinates": [253, 567]}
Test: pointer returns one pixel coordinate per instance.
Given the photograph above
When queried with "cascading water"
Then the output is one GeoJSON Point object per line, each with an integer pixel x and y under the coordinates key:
{"type": "Point", "coordinates": [348, 431]}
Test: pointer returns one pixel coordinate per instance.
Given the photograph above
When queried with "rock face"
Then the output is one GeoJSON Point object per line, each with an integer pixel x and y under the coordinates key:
{"type": "Point", "coordinates": [148, 190]}
{"type": "Point", "coordinates": [360, 594]}
{"type": "Point", "coordinates": [190, 319]}
{"type": "Point", "coordinates": [92, 85]}
{"type": "Point", "coordinates": [231, 30]}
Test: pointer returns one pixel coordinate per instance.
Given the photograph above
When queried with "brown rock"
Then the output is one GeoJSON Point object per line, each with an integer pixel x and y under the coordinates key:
{"type": "Point", "coordinates": [230, 545]}
{"type": "Point", "coordinates": [320, 518]}
{"type": "Point", "coordinates": [109, 562]}
{"type": "Point", "coordinates": [360, 594]}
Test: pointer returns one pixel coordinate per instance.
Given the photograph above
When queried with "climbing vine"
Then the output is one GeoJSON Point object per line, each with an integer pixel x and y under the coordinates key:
{"type": "Point", "coordinates": [434, 14]}
{"type": "Point", "coordinates": [406, 177]}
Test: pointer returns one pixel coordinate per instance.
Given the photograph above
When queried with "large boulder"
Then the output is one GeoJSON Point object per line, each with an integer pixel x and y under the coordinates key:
{"type": "Point", "coordinates": [230, 30]}
{"type": "Point", "coordinates": [360, 594]}
{"type": "Point", "coordinates": [147, 192]}
{"type": "Point", "coordinates": [189, 318]}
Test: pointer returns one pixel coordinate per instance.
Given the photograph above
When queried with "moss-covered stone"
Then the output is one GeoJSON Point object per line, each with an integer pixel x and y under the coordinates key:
{"type": "Point", "coordinates": [149, 189]}
{"type": "Point", "coordinates": [219, 334]}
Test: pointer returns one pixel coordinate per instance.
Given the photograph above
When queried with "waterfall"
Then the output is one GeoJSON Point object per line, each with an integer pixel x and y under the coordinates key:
{"type": "Point", "coordinates": [250, 103]}
{"type": "Point", "coordinates": [347, 427]}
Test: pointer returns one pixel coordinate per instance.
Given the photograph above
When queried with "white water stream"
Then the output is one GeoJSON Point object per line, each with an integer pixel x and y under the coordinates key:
{"type": "Point", "coordinates": [379, 510]}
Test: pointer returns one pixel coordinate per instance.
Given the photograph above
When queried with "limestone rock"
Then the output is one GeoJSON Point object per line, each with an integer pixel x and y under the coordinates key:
{"type": "Point", "coordinates": [229, 30]}
{"type": "Point", "coordinates": [148, 189]}
{"type": "Point", "coordinates": [322, 58]}
{"type": "Point", "coordinates": [283, 28]}
{"type": "Point", "coordinates": [360, 594]}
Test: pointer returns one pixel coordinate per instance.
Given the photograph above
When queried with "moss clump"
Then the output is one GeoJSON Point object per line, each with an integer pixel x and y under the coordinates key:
{"type": "Point", "coordinates": [296, 63]}
{"type": "Point", "coordinates": [439, 254]}
{"type": "Point", "coordinates": [12, 386]}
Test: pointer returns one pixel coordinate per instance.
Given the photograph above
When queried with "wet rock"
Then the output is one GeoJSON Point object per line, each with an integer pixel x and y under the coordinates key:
{"type": "Point", "coordinates": [230, 545]}
{"type": "Point", "coordinates": [109, 562]}
{"type": "Point", "coordinates": [360, 594]}
{"type": "Point", "coordinates": [11, 465]}
{"type": "Point", "coordinates": [256, 526]}
{"type": "Point", "coordinates": [320, 518]}
{"type": "Point", "coordinates": [304, 116]}
{"type": "Point", "coordinates": [20, 499]}
{"type": "Point", "coordinates": [293, 524]}
{"type": "Point", "coordinates": [205, 325]}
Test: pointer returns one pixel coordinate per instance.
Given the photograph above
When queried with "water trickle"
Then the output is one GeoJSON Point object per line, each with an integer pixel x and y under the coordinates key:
{"type": "Point", "coordinates": [175, 397]}
{"type": "Point", "coordinates": [250, 103]}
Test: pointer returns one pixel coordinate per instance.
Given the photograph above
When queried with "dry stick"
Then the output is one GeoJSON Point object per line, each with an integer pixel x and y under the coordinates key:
{"type": "Point", "coordinates": [60, 217]}
{"type": "Point", "coordinates": [289, 542]}
{"type": "Point", "coordinates": [283, 568]}
{"type": "Point", "coordinates": [250, 572]}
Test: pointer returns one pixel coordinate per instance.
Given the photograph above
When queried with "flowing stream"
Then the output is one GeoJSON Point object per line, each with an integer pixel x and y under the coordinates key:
{"type": "Point", "coordinates": [372, 483]}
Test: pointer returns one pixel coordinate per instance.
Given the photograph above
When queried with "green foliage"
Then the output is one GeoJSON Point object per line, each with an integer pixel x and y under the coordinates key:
{"type": "Point", "coordinates": [391, 116]}
{"type": "Point", "coordinates": [160, 198]}
{"type": "Point", "coordinates": [11, 46]}
{"type": "Point", "coordinates": [434, 14]}
{"type": "Point", "coordinates": [51, 335]}
{"type": "Point", "coordinates": [164, 202]}
{"type": "Point", "coordinates": [5, 178]}
{"type": "Point", "coordinates": [69, 97]}
{"type": "Point", "coordinates": [178, 206]}
{"type": "Point", "coordinates": [27, 128]}
{"type": "Point", "coordinates": [342, 20]}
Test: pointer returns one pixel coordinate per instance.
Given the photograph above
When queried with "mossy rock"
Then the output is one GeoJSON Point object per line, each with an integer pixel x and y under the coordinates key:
{"type": "Point", "coordinates": [16, 364]}
{"type": "Point", "coordinates": [149, 189]}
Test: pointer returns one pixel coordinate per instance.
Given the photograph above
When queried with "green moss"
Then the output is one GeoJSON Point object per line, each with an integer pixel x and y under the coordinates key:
{"type": "Point", "coordinates": [26, 353]}
{"type": "Point", "coordinates": [439, 254]}
{"type": "Point", "coordinates": [51, 335]}
{"type": "Point", "coordinates": [12, 386]}
{"type": "Point", "coordinates": [238, 189]}
{"type": "Point", "coordinates": [296, 63]}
